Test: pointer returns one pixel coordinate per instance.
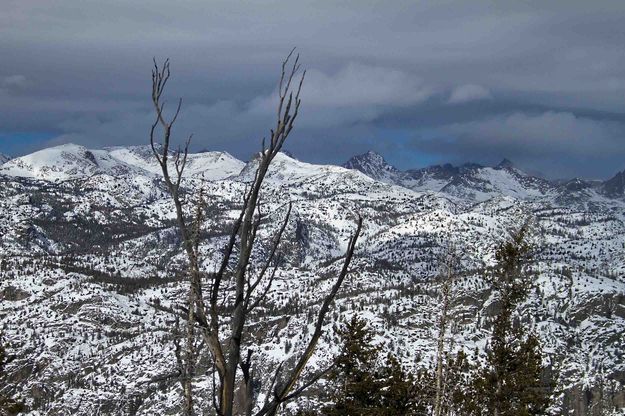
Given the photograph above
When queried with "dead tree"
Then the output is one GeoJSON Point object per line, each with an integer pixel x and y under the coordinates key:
{"type": "Point", "coordinates": [203, 311]}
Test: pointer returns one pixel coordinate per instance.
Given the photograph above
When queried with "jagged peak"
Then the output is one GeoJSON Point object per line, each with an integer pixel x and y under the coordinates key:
{"type": "Point", "coordinates": [372, 155]}
{"type": "Point", "coordinates": [615, 186]}
{"type": "Point", "coordinates": [508, 165]}
{"type": "Point", "coordinates": [619, 175]}
{"type": "Point", "coordinates": [369, 155]}
{"type": "Point", "coordinates": [371, 164]}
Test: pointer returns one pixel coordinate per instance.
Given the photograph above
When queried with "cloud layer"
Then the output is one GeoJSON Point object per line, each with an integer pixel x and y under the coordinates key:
{"type": "Point", "coordinates": [558, 143]}
{"type": "Point", "coordinates": [542, 83]}
{"type": "Point", "coordinates": [469, 92]}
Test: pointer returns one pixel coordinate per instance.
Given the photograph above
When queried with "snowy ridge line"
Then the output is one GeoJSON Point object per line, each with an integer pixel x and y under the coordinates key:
{"type": "Point", "coordinates": [82, 260]}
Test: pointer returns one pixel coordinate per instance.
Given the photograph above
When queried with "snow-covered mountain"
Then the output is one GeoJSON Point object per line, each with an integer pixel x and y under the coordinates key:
{"type": "Point", "coordinates": [87, 245]}
{"type": "Point", "coordinates": [140, 156]}
{"type": "Point", "coordinates": [4, 158]}
{"type": "Point", "coordinates": [472, 182]}
{"type": "Point", "coordinates": [207, 165]}
{"type": "Point", "coordinates": [481, 183]}
{"type": "Point", "coordinates": [68, 161]}
{"type": "Point", "coordinates": [373, 165]}
{"type": "Point", "coordinates": [469, 181]}
{"type": "Point", "coordinates": [71, 161]}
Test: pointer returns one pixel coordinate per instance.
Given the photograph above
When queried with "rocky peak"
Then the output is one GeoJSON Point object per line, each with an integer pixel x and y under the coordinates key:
{"type": "Point", "coordinates": [371, 164]}
{"type": "Point", "coordinates": [615, 186]}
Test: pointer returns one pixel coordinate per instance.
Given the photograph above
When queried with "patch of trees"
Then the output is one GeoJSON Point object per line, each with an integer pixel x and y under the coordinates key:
{"type": "Point", "coordinates": [512, 381]}
{"type": "Point", "coordinates": [509, 381]}
{"type": "Point", "coordinates": [84, 236]}
{"type": "Point", "coordinates": [364, 389]}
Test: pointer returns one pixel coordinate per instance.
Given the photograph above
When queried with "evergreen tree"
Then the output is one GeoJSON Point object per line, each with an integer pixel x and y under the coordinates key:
{"type": "Point", "coordinates": [457, 378]}
{"type": "Point", "coordinates": [358, 391]}
{"type": "Point", "coordinates": [510, 384]}
{"type": "Point", "coordinates": [364, 389]}
{"type": "Point", "coordinates": [404, 393]}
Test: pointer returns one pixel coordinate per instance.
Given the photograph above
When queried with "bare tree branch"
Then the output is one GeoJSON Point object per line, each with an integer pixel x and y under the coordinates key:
{"type": "Point", "coordinates": [282, 394]}
{"type": "Point", "coordinates": [239, 296]}
{"type": "Point", "coordinates": [274, 248]}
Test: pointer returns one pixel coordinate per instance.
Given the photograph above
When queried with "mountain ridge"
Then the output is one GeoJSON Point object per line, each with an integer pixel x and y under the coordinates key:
{"type": "Point", "coordinates": [84, 259]}
{"type": "Point", "coordinates": [370, 163]}
{"type": "Point", "coordinates": [72, 161]}
{"type": "Point", "coordinates": [476, 181]}
{"type": "Point", "coordinates": [469, 182]}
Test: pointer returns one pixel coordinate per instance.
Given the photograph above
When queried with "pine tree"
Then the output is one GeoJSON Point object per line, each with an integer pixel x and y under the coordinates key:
{"type": "Point", "coordinates": [535, 390]}
{"type": "Point", "coordinates": [358, 391]}
{"type": "Point", "coordinates": [510, 384]}
{"type": "Point", "coordinates": [457, 380]}
{"type": "Point", "coordinates": [385, 390]}
{"type": "Point", "coordinates": [403, 393]}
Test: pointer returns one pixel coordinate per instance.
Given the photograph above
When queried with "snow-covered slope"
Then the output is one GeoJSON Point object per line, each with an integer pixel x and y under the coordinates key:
{"type": "Point", "coordinates": [140, 156]}
{"type": "Point", "coordinates": [72, 161]}
{"type": "Point", "coordinates": [206, 165]}
{"type": "Point", "coordinates": [213, 165]}
{"type": "Point", "coordinates": [3, 159]}
{"type": "Point", "coordinates": [285, 169]}
{"type": "Point", "coordinates": [68, 161]}
{"type": "Point", "coordinates": [83, 260]}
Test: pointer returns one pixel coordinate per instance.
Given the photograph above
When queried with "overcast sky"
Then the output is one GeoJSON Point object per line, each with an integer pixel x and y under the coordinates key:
{"type": "Point", "coordinates": [421, 82]}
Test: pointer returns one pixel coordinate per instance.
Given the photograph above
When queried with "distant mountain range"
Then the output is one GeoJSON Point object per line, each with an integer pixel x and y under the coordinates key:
{"type": "Point", "coordinates": [468, 181]}
{"type": "Point", "coordinates": [478, 182]}
{"type": "Point", "coordinates": [88, 244]}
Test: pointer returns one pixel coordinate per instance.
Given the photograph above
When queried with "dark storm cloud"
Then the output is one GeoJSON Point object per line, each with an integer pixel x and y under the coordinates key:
{"type": "Point", "coordinates": [540, 82]}
{"type": "Point", "coordinates": [555, 143]}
